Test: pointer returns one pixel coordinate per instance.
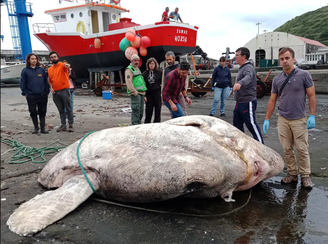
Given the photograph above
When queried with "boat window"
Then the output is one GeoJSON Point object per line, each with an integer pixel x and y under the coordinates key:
{"type": "Point", "coordinates": [72, 16]}
{"type": "Point", "coordinates": [59, 17]}
{"type": "Point", "coordinates": [81, 14]}
{"type": "Point", "coordinates": [106, 20]}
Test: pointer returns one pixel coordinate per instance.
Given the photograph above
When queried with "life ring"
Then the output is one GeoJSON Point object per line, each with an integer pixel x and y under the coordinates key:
{"type": "Point", "coordinates": [117, 1]}
{"type": "Point", "coordinates": [80, 27]}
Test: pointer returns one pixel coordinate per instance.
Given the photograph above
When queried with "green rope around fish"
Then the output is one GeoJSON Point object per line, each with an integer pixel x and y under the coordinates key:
{"type": "Point", "coordinates": [78, 159]}
{"type": "Point", "coordinates": [25, 154]}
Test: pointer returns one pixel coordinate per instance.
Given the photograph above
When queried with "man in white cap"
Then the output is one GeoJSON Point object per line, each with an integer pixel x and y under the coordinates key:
{"type": "Point", "coordinates": [136, 87]}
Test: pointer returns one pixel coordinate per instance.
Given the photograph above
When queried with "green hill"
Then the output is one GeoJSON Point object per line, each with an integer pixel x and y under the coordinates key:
{"type": "Point", "coordinates": [312, 25]}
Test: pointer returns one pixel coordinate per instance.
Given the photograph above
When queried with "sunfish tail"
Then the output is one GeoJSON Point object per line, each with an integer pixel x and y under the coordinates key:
{"type": "Point", "coordinates": [49, 207]}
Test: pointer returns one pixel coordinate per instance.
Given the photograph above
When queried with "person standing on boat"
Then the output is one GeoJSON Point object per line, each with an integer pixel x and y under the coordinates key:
{"type": "Point", "coordinates": [175, 15]}
{"type": "Point", "coordinates": [60, 88]}
{"type": "Point", "coordinates": [165, 15]}
{"type": "Point", "coordinates": [221, 82]}
{"type": "Point", "coordinates": [136, 87]}
{"type": "Point", "coordinates": [35, 87]}
{"type": "Point", "coordinates": [245, 95]}
{"type": "Point", "coordinates": [174, 85]}
{"type": "Point", "coordinates": [153, 79]}
{"type": "Point", "coordinates": [172, 64]}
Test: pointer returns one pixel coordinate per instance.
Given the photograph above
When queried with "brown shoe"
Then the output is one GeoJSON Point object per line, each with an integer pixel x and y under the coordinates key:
{"type": "Point", "coordinates": [62, 128]}
{"type": "Point", "coordinates": [289, 179]}
{"type": "Point", "coordinates": [70, 128]}
{"type": "Point", "coordinates": [307, 182]}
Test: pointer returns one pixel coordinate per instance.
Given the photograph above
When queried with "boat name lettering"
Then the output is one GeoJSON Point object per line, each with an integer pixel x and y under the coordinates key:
{"type": "Point", "coordinates": [180, 38]}
{"type": "Point", "coordinates": [182, 31]}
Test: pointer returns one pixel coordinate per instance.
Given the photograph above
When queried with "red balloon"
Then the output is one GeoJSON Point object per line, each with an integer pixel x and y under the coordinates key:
{"type": "Point", "coordinates": [136, 42]}
{"type": "Point", "coordinates": [130, 34]}
{"type": "Point", "coordinates": [140, 63]}
{"type": "Point", "coordinates": [130, 51]}
{"type": "Point", "coordinates": [143, 51]}
{"type": "Point", "coordinates": [145, 41]}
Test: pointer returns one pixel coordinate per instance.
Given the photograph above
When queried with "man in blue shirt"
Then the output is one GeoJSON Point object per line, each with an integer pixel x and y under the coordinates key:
{"type": "Point", "coordinates": [174, 15]}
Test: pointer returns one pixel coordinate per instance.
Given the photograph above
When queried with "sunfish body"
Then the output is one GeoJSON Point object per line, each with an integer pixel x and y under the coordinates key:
{"type": "Point", "coordinates": [193, 156]}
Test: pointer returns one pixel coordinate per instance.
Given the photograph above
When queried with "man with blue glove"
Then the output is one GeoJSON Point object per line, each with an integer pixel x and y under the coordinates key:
{"type": "Point", "coordinates": [292, 86]}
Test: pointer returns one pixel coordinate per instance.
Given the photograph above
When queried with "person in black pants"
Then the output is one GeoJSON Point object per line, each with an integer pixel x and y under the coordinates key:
{"type": "Point", "coordinates": [35, 87]}
{"type": "Point", "coordinates": [245, 95]}
{"type": "Point", "coordinates": [153, 79]}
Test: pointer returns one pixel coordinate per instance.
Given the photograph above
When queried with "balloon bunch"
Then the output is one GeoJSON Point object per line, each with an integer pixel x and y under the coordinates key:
{"type": "Point", "coordinates": [132, 41]}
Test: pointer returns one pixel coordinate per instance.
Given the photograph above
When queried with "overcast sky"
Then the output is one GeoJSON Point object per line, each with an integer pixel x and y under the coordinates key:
{"type": "Point", "coordinates": [230, 23]}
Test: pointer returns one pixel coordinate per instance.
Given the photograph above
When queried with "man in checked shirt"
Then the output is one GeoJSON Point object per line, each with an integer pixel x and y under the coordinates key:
{"type": "Point", "coordinates": [174, 84]}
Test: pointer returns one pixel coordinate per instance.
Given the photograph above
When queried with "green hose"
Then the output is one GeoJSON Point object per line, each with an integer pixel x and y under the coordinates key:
{"type": "Point", "coordinates": [24, 153]}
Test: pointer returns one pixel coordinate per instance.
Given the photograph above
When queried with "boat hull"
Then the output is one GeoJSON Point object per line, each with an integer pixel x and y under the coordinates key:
{"type": "Point", "coordinates": [10, 74]}
{"type": "Point", "coordinates": [80, 52]}
{"type": "Point", "coordinates": [81, 63]}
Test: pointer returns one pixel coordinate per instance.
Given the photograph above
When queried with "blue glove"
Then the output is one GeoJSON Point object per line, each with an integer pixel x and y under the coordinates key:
{"type": "Point", "coordinates": [310, 122]}
{"type": "Point", "coordinates": [266, 126]}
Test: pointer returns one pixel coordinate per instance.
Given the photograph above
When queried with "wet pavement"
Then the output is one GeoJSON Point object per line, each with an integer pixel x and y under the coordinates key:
{"type": "Point", "coordinates": [269, 213]}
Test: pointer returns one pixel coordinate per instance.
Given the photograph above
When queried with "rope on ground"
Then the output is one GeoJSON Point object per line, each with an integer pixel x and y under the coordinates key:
{"type": "Point", "coordinates": [24, 153]}
{"type": "Point", "coordinates": [176, 213]}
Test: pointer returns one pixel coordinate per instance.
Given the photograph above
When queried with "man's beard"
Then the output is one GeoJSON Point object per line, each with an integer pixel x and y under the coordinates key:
{"type": "Point", "coordinates": [55, 61]}
{"type": "Point", "coordinates": [170, 63]}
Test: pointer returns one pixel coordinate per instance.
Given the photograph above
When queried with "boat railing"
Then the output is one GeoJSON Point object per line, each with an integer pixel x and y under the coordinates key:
{"type": "Point", "coordinates": [44, 27]}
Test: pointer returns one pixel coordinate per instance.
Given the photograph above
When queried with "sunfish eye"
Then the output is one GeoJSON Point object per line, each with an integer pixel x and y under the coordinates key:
{"type": "Point", "coordinates": [256, 168]}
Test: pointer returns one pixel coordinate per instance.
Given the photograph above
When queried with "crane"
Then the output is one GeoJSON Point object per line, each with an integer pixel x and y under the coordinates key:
{"type": "Point", "coordinates": [18, 12]}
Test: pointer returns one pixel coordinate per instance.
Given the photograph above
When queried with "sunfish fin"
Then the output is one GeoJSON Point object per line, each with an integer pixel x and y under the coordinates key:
{"type": "Point", "coordinates": [47, 208]}
{"type": "Point", "coordinates": [188, 121]}
{"type": "Point", "coordinates": [227, 196]}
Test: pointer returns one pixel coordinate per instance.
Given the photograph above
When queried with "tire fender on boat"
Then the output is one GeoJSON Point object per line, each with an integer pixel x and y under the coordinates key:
{"type": "Point", "coordinates": [80, 27]}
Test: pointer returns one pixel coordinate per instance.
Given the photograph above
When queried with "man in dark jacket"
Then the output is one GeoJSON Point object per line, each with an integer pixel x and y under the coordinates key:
{"type": "Point", "coordinates": [221, 82]}
{"type": "Point", "coordinates": [245, 95]}
{"type": "Point", "coordinates": [35, 87]}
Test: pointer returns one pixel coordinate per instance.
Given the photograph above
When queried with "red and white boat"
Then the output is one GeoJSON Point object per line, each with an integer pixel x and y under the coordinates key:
{"type": "Point", "coordinates": [75, 28]}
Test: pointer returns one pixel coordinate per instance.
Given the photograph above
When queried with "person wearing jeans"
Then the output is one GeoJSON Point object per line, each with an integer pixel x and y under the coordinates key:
{"type": "Point", "coordinates": [174, 85]}
{"type": "Point", "coordinates": [72, 86]}
{"type": "Point", "coordinates": [221, 82]}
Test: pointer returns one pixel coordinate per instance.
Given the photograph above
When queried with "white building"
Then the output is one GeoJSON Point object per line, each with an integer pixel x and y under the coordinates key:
{"type": "Point", "coordinates": [268, 45]}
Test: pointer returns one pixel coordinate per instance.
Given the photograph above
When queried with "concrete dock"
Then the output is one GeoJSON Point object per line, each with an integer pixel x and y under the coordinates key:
{"type": "Point", "coordinates": [270, 213]}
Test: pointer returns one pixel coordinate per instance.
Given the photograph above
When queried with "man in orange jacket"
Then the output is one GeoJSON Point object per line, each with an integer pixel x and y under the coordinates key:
{"type": "Point", "coordinates": [59, 87]}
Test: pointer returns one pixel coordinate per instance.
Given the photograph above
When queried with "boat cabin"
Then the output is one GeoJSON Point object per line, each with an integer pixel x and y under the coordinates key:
{"type": "Point", "coordinates": [90, 18]}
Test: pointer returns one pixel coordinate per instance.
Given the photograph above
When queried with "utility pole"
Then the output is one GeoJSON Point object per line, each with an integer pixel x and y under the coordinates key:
{"type": "Point", "coordinates": [258, 28]}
